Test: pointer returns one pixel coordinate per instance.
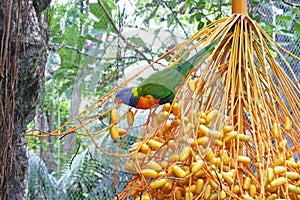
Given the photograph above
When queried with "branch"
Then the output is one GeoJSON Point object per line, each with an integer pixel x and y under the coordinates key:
{"type": "Point", "coordinates": [129, 45]}
{"type": "Point", "coordinates": [291, 4]}
{"type": "Point", "coordinates": [175, 16]}
{"type": "Point", "coordinates": [52, 45]}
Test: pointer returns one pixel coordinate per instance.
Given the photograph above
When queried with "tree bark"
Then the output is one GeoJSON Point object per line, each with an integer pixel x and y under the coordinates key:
{"type": "Point", "coordinates": [70, 139]}
{"type": "Point", "coordinates": [23, 53]}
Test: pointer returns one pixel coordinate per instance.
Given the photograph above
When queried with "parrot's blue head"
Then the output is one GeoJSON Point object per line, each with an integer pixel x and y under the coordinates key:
{"type": "Point", "coordinates": [124, 96]}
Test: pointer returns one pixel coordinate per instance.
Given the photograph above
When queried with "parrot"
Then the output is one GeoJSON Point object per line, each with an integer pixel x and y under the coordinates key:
{"type": "Point", "coordinates": [160, 87]}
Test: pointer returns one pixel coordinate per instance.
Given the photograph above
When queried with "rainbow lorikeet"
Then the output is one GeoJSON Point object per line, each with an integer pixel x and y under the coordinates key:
{"type": "Point", "coordinates": [161, 87]}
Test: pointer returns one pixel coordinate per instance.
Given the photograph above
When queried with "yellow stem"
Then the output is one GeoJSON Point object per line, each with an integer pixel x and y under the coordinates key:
{"type": "Point", "coordinates": [239, 6]}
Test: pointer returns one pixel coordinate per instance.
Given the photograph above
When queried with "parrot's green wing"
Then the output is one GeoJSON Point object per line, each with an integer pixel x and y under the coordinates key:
{"type": "Point", "coordinates": [165, 83]}
{"type": "Point", "coordinates": [162, 84]}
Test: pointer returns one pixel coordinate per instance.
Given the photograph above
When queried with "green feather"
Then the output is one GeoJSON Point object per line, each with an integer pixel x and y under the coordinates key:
{"type": "Point", "coordinates": [165, 83]}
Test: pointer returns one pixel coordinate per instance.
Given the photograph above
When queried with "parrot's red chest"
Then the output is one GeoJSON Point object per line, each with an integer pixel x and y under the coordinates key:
{"type": "Point", "coordinates": [147, 102]}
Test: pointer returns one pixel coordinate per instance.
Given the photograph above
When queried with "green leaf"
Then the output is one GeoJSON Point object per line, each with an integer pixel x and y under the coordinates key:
{"type": "Point", "coordinates": [137, 41]}
{"type": "Point", "coordinates": [269, 27]}
{"type": "Point", "coordinates": [199, 17]}
{"type": "Point", "coordinates": [80, 42]}
{"type": "Point", "coordinates": [110, 4]}
{"type": "Point", "coordinates": [101, 26]}
{"type": "Point", "coordinates": [200, 25]}
{"type": "Point", "coordinates": [70, 35]}
{"type": "Point", "coordinates": [285, 17]}
{"type": "Point", "coordinates": [60, 72]}
{"type": "Point", "coordinates": [55, 28]}
{"type": "Point", "coordinates": [286, 33]}
{"type": "Point", "coordinates": [296, 11]}
{"type": "Point", "coordinates": [297, 27]}
{"type": "Point", "coordinates": [96, 10]}
{"type": "Point", "coordinates": [255, 2]}
{"type": "Point", "coordinates": [170, 19]}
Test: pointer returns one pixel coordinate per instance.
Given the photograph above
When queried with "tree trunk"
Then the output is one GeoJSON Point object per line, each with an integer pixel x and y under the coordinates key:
{"type": "Point", "coordinates": [23, 53]}
{"type": "Point", "coordinates": [70, 139]}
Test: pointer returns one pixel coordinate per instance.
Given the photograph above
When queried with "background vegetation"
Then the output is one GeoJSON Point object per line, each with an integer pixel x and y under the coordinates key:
{"type": "Point", "coordinates": [92, 43]}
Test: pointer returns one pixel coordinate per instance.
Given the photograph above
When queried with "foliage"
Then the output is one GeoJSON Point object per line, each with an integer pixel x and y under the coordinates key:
{"type": "Point", "coordinates": [176, 13]}
{"type": "Point", "coordinates": [75, 60]}
{"type": "Point", "coordinates": [80, 180]}
{"type": "Point", "coordinates": [284, 18]}
{"type": "Point", "coordinates": [182, 13]}
{"type": "Point", "coordinates": [41, 185]}
{"type": "Point", "coordinates": [76, 35]}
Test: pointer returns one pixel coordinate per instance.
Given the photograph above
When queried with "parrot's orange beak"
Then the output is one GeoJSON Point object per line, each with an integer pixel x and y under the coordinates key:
{"type": "Point", "coordinates": [118, 101]}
